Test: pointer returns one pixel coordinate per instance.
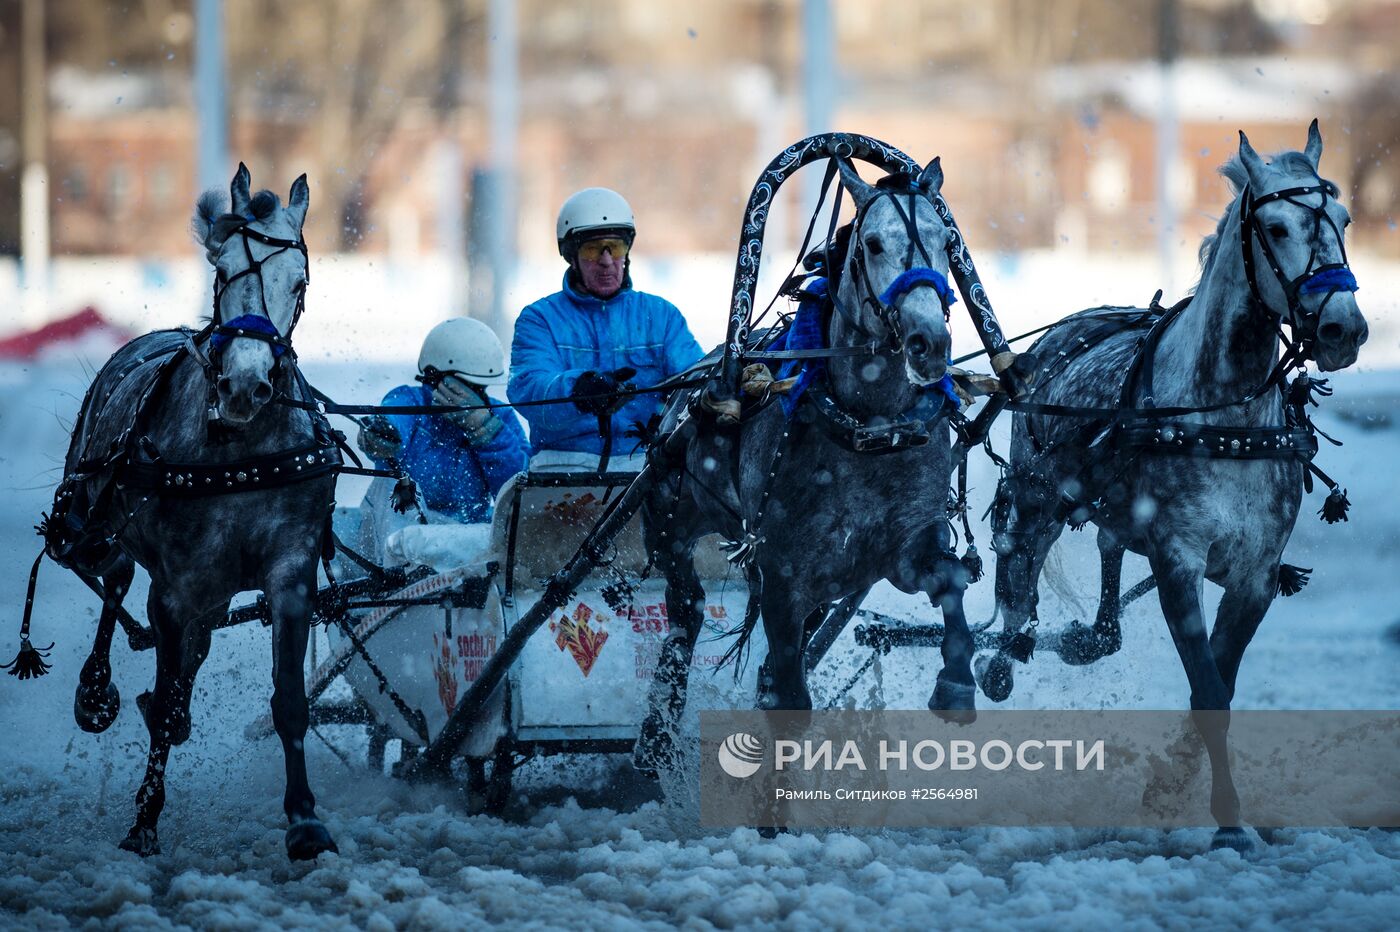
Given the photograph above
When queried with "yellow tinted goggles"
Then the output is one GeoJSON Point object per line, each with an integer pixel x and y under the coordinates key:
{"type": "Point", "coordinates": [593, 250]}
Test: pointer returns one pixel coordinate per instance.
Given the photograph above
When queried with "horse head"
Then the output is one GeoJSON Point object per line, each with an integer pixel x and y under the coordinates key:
{"type": "Point", "coordinates": [1292, 233]}
{"type": "Point", "coordinates": [260, 278]}
{"type": "Point", "coordinates": [897, 268]}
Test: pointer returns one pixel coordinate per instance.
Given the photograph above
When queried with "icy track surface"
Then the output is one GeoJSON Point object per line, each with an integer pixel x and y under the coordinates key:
{"type": "Point", "coordinates": [583, 846]}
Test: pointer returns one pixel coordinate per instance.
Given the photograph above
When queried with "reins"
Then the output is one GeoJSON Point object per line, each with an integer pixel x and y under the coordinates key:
{"type": "Point", "coordinates": [325, 404]}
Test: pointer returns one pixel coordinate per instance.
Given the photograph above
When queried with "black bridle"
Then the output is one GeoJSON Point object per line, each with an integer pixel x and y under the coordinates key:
{"type": "Point", "coordinates": [254, 326]}
{"type": "Point", "coordinates": [1331, 277]}
{"type": "Point", "coordinates": [885, 306]}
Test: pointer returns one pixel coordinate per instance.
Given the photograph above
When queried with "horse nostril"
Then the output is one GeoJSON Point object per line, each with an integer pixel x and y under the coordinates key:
{"type": "Point", "coordinates": [917, 345]}
{"type": "Point", "coordinates": [262, 392]}
{"type": "Point", "coordinates": [1330, 332]}
{"type": "Point", "coordinates": [225, 386]}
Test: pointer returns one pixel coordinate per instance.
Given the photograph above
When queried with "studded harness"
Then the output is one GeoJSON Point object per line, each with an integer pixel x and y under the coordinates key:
{"type": "Point", "coordinates": [1137, 425]}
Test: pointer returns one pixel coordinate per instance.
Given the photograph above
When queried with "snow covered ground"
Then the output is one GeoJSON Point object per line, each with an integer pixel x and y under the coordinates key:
{"type": "Point", "coordinates": [584, 845]}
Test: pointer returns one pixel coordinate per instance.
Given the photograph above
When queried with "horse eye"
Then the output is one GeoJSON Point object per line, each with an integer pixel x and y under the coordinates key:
{"type": "Point", "coordinates": [1278, 231]}
{"type": "Point", "coordinates": [874, 246]}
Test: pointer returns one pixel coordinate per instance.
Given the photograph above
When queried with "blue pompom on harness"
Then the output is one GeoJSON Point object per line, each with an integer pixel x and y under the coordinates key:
{"type": "Point", "coordinates": [806, 332]}
{"type": "Point", "coordinates": [1337, 278]}
{"type": "Point", "coordinates": [252, 322]}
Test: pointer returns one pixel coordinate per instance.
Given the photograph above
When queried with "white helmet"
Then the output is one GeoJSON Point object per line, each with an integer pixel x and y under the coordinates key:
{"type": "Point", "coordinates": [593, 210]}
{"type": "Point", "coordinates": [465, 347]}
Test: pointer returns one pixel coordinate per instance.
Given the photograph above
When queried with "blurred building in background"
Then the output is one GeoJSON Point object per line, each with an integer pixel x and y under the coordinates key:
{"type": "Point", "coordinates": [1045, 113]}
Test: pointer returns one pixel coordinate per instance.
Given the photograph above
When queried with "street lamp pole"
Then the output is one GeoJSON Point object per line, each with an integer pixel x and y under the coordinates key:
{"type": "Point", "coordinates": [210, 94]}
{"type": "Point", "coordinates": [34, 179]}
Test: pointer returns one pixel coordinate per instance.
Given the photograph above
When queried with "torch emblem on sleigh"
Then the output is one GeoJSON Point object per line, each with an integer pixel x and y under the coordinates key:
{"type": "Point", "coordinates": [577, 635]}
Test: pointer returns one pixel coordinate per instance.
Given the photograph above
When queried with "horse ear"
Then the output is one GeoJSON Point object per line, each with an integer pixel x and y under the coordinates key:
{"type": "Point", "coordinates": [1253, 164]}
{"type": "Point", "coordinates": [299, 199]}
{"type": "Point", "coordinates": [238, 190]}
{"type": "Point", "coordinates": [861, 192]}
{"type": "Point", "coordinates": [1314, 147]}
{"type": "Point", "coordinates": [931, 178]}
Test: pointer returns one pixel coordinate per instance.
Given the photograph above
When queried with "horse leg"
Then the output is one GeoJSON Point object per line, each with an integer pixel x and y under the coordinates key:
{"type": "Point", "coordinates": [1027, 530]}
{"type": "Point", "coordinates": [180, 649]}
{"type": "Point", "coordinates": [955, 691]}
{"type": "Point", "coordinates": [1180, 575]}
{"type": "Point", "coordinates": [783, 682]}
{"type": "Point", "coordinates": [290, 588]}
{"type": "Point", "coordinates": [685, 606]}
{"type": "Point", "coordinates": [1081, 644]}
{"type": "Point", "coordinates": [96, 701]}
{"type": "Point", "coordinates": [1242, 609]}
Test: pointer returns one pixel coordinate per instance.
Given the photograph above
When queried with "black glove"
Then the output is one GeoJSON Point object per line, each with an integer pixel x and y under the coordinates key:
{"type": "Point", "coordinates": [379, 438]}
{"type": "Point", "coordinates": [479, 424]}
{"type": "Point", "coordinates": [596, 392]}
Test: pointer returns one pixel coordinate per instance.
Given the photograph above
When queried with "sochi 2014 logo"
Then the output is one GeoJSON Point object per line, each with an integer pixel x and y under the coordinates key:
{"type": "Point", "coordinates": [741, 755]}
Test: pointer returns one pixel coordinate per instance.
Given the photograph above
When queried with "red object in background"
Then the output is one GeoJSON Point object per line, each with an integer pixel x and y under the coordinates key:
{"type": "Point", "coordinates": [83, 325]}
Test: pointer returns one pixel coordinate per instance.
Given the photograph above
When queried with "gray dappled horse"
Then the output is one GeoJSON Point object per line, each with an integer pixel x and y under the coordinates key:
{"type": "Point", "coordinates": [172, 417]}
{"type": "Point", "coordinates": [1225, 513]}
{"type": "Point", "coordinates": [824, 521]}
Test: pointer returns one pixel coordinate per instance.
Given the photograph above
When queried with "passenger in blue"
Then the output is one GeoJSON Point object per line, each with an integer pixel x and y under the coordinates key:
{"type": "Point", "coordinates": [461, 459]}
{"type": "Point", "coordinates": [595, 336]}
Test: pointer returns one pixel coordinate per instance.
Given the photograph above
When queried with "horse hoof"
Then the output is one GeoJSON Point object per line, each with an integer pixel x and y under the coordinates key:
{"type": "Point", "coordinates": [1233, 838]}
{"type": "Point", "coordinates": [140, 841]}
{"type": "Point", "coordinates": [307, 839]}
{"type": "Point", "coordinates": [997, 678]}
{"type": "Point", "coordinates": [954, 702]}
{"type": "Point", "coordinates": [771, 700]}
{"type": "Point", "coordinates": [955, 716]}
{"type": "Point", "coordinates": [96, 709]}
{"type": "Point", "coordinates": [1081, 644]}
{"type": "Point", "coordinates": [773, 831]}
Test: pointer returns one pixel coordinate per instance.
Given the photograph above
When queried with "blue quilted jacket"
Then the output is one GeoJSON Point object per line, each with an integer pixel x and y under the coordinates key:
{"type": "Point", "coordinates": [560, 337]}
{"type": "Point", "coordinates": [455, 479]}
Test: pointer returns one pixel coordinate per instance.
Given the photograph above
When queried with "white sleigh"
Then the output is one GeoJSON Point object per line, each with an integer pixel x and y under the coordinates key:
{"type": "Point", "coordinates": [581, 682]}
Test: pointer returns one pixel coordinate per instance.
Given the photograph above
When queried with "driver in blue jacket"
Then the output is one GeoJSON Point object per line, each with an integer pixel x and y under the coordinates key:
{"type": "Point", "coordinates": [595, 336]}
{"type": "Point", "coordinates": [461, 459]}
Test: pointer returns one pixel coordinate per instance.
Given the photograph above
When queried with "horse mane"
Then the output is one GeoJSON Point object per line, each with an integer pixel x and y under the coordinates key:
{"type": "Point", "coordinates": [213, 223]}
{"type": "Point", "coordinates": [902, 182]}
{"type": "Point", "coordinates": [210, 205]}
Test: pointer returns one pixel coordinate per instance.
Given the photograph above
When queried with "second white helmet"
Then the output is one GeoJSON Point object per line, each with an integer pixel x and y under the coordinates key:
{"type": "Point", "coordinates": [593, 210]}
{"type": "Point", "coordinates": [465, 347]}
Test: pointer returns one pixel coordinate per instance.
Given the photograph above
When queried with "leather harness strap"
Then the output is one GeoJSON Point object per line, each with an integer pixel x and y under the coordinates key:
{"type": "Point", "coordinates": [202, 480]}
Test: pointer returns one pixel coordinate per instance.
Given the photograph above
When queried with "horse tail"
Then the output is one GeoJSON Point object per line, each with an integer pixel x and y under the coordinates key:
{"type": "Point", "coordinates": [743, 632]}
{"type": "Point", "coordinates": [986, 625]}
{"type": "Point", "coordinates": [1058, 580]}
